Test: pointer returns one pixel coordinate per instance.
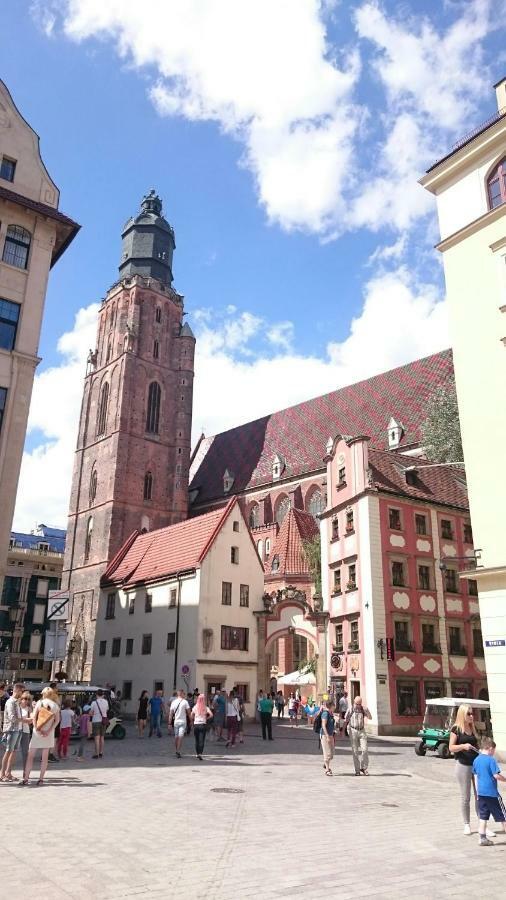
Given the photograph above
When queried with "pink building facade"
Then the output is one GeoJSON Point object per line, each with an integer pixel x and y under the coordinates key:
{"type": "Point", "coordinates": [403, 627]}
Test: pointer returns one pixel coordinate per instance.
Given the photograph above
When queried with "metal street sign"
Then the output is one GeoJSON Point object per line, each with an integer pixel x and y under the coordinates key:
{"type": "Point", "coordinates": [498, 642]}
{"type": "Point", "coordinates": [55, 645]}
{"type": "Point", "coordinates": [57, 606]}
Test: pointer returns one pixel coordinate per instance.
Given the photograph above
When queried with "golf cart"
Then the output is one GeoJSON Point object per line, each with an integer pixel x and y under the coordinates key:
{"type": "Point", "coordinates": [81, 694]}
{"type": "Point", "coordinates": [439, 719]}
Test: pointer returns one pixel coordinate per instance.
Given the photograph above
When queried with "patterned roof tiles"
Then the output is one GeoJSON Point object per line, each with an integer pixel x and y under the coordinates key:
{"type": "Point", "coordinates": [300, 433]}
{"type": "Point", "coordinates": [443, 485]}
{"type": "Point", "coordinates": [297, 526]}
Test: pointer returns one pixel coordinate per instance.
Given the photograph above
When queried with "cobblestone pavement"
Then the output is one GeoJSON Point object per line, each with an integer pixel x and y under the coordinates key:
{"type": "Point", "coordinates": [142, 823]}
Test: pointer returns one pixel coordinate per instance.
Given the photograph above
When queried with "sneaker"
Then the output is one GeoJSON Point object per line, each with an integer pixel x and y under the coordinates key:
{"type": "Point", "coordinates": [467, 829]}
{"type": "Point", "coordinates": [484, 842]}
{"type": "Point", "coordinates": [489, 833]}
{"type": "Point", "coordinates": [178, 754]}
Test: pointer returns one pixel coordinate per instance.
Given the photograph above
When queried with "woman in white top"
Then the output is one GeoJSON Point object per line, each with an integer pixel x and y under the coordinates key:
{"type": "Point", "coordinates": [199, 716]}
{"type": "Point", "coordinates": [43, 733]}
{"type": "Point", "coordinates": [26, 707]}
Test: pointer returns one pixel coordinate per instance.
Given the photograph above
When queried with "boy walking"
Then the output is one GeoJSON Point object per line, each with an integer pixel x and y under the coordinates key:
{"type": "Point", "coordinates": [487, 773]}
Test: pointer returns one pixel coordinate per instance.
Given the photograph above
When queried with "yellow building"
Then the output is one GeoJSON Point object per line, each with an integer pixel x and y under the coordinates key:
{"type": "Point", "coordinates": [33, 235]}
{"type": "Point", "coordinates": [470, 186]}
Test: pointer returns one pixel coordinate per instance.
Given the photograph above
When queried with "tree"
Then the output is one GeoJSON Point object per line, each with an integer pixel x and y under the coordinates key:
{"type": "Point", "coordinates": [313, 553]}
{"type": "Point", "coordinates": [441, 429]}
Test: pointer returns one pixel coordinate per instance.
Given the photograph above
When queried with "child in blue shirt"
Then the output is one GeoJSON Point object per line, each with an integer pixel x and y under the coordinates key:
{"type": "Point", "coordinates": [487, 773]}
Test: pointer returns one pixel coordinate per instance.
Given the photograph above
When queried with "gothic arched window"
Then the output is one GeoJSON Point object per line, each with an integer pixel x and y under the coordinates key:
{"type": "Point", "coordinates": [158, 314]}
{"type": "Point", "coordinates": [17, 246]}
{"type": "Point", "coordinates": [316, 504]}
{"type": "Point", "coordinates": [93, 486]}
{"type": "Point", "coordinates": [153, 414]}
{"type": "Point", "coordinates": [102, 409]}
{"type": "Point", "coordinates": [282, 510]}
{"type": "Point", "coordinates": [254, 516]}
{"type": "Point", "coordinates": [89, 534]}
{"type": "Point", "coordinates": [148, 486]}
{"type": "Point", "coordinates": [496, 185]}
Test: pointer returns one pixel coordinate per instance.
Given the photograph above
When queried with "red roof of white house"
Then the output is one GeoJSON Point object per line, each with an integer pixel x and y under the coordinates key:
{"type": "Point", "coordinates": [297, 526]}
{"type": "Point", "coordinates": [300, 433]}
{"type": "Point", "coordinates": [166, 551]}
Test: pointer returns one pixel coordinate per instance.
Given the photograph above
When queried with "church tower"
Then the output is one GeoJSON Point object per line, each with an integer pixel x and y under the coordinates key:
{"type": "Point", "coordinates": [133, 446]}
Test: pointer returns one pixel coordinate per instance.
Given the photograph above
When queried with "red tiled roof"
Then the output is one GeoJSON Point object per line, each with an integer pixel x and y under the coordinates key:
{"type": "Point", "coordinates": [69, 228]}
{"type": "Point", "coordinates": [156, 554]}
{"type": "Point", "coordinates": [300, 433]}
{"type": "Point", "coordinates": [296, 527]}
{"type": "Point", "coordinates": [444, 485]}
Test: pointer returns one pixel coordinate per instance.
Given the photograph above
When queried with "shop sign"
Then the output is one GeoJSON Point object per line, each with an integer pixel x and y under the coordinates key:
{"type": "Point", "coordinates": [498, 642]}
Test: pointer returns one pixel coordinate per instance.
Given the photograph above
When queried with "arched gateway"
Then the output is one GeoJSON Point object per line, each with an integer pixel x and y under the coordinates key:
{"type": "Point", "coordinates": [287, 612]}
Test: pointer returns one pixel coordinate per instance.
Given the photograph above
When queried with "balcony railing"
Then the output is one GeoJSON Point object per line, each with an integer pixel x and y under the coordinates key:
{"type": "Point", "coordinates": [458, 650]}
{"type": "Point", "coordinates": [404, 645]}
{"type": "Point", "coordinates": [431, 647]}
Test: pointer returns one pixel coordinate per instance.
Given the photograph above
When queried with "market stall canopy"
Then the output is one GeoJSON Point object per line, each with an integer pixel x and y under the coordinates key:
{"type": "Point", "coordinates": [297, 678]}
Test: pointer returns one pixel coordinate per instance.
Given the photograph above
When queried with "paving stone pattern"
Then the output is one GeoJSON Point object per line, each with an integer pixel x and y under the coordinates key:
{"type": "Point", "coordinates": [142, 823]}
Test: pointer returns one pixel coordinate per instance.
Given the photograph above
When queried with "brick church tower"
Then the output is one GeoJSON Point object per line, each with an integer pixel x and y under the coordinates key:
{"type": "Point", "coordinates": [133, 446]}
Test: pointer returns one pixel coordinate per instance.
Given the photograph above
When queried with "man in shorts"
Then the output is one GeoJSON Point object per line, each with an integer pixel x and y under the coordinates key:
{"type": "Point", "coordinates": [12, 731]}
{"type": "Point", "coordinates": [99, 711]}
{"type": "Point", "coordinates": [178, 719]}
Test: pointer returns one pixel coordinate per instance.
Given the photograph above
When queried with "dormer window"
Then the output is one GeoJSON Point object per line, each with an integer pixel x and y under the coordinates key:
{"type": "Point", "coordinates": [278, 466]}
{"type": "Point", "coordinates": [395, 433]}
{"type": "Point", "coordinates": [228, 481]}
{"type": "Point", "coordinates": [496, 185]}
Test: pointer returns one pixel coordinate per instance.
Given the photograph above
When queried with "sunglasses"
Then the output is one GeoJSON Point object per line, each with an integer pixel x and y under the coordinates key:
{"type": "Point", "coordinates": [469, 714]}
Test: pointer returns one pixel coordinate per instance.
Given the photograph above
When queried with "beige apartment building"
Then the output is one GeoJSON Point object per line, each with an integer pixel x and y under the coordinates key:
{"type": "Point", "coordinates": [33, 235]}
{"type": "Point", "coordinates": [470, 187]}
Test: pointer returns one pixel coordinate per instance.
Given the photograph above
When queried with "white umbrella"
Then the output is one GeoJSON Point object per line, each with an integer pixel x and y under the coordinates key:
{"type": "Point", "coordinates": [297, 678]}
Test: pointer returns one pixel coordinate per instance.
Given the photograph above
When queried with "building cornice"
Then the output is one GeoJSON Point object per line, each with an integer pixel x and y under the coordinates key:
{"type": "Point", "coordinates": [488, 218]}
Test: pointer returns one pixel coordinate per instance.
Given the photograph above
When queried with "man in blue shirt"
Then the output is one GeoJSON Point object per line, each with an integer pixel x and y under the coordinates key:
{"type": "Point", "coordinates": [155, 713]}
{"type": "Point", "coordinates": [487, 773]}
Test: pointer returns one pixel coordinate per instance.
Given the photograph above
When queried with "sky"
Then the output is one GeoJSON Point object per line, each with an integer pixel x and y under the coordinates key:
{"type": "Point", "coordinates": [286, 139]}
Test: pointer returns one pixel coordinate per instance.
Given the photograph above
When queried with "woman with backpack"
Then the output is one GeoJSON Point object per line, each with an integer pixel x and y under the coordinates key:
{"type": "Point", "coordinates": [327, 731]}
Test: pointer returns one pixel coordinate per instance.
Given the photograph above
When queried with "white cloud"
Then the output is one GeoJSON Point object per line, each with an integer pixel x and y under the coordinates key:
{"type": "Point", "coordinates": [401, 320]}
{"type": "Point", "coordinates": [46, 471]}
{"type": "Point", "coordinates": [237, 376]}
{"type": "Point", "coordinates": [278, 78]}
{"type": "Point", "coordinates": [262, 71]}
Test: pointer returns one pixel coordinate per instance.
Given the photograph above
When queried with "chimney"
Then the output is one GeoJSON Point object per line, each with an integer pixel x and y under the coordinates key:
{"type": "Point", "coordinates": [500, 92]}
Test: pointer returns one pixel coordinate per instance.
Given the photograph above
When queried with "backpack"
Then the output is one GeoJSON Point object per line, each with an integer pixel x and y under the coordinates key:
{"type": "Point", "coordinates": [317, 724]}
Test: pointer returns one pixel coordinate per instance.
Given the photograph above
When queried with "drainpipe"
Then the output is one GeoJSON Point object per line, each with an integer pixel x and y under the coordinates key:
{"type": "Point", "coordinates": [176, 648]}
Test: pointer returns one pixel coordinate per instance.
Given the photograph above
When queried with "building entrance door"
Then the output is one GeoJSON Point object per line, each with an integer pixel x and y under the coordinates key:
{"type": "Point", "coordinates": [213, 687]}
{"type": "Point", "coordinates": [354, 689]}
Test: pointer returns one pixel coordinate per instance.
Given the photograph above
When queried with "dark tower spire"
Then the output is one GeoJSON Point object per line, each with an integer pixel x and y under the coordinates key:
{"type": "Point", "coordinates": [148, 243]}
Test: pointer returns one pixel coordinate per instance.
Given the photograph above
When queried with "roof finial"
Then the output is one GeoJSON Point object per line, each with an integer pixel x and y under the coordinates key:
{"type": "Point", "coordinates": [151, 203]}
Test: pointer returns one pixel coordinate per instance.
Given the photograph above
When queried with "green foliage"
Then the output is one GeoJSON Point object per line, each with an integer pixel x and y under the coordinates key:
{"type": "Point", "coordinates": [313, 553]}
{"type": "Point", "coordinates": [308, 665]}
{"type": "Point", "coordinates": [441, 429]}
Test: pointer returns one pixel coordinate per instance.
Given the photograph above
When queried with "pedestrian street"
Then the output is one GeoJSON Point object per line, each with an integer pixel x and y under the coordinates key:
{"type": "Point", "coordinates": [257, 821]}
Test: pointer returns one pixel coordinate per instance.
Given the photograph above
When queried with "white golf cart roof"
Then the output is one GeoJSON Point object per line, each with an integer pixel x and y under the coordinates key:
{"type": "Point", "coordinates": [450, 702]}
{"type": "Point", "coordinates": [65, 687]}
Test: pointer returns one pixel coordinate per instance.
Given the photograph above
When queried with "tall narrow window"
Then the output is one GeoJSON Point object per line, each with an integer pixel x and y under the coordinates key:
{"type": "Point", "coordinates": [3, 404]}
{"type": "Point", "coordinates": [87, 541]}
{"type": "Point", "coordinates": [158, 314]}
{"type": "Point", "coordinates": [9, 316]}
{"type": "Point", "coordinates": [93, 486]}
{"type": "Point", "coordinates": [254, 516]}
{"type": "Point", "coordinates": [496, 185]}
{"type": "Point", "coordinates": [148, 486]}
{"type": "Point", "coordinates": [17, 246]}
{"type": "Point", "coordinates": [156, 349]}
{"type": "Point", "coordinates": [316, 504]}
{"type": "Point", "coordinates": [102, 409]}
{"type": "Point", "coordinates": [282, 510]}
{"type": "Point", "coordinates": [153, 414]}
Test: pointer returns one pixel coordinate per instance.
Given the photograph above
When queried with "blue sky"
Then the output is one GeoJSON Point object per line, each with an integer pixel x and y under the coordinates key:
{"type": "Point", "coordinates": [285, 138]}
